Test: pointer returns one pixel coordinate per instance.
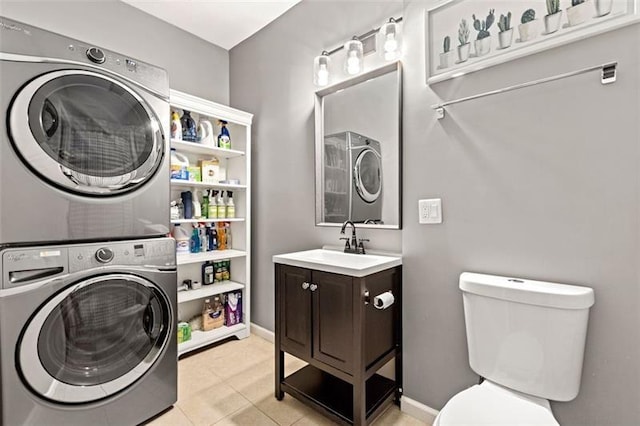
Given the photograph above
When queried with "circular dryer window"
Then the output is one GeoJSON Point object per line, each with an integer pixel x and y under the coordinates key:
{"type": "Point", "coordinates": [367, 175]}
{"type": "Point", "coordinates": [95, 338]}
{"type": "Point", "coordinates": [85, 132]}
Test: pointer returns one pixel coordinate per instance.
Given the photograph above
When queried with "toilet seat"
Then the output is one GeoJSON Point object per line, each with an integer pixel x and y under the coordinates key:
{"type": "Point", "coordinates": [491, 404]}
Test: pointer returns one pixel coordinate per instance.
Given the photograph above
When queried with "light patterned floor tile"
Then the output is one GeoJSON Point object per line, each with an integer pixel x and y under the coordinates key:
{"type": "Point", "coordinates": [393, 416]}
{"type": "Point", "coordinates": [173, 417]}
{"type": "Point", "coordinates": [248, 416]}
{"type": "Point", "coordinates": [233, 384]}
{"type": "Point", "coordinates": [212, 404]}
{"type": "Point", "coordinates": [285, 412]}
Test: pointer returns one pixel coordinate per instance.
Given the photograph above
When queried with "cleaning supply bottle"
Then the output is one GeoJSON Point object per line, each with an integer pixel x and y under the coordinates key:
{"type": "Point", "coordinates": [224, 138]}
{"type": "Point", "coordinates": [179, 165]}
{"type": "Point", "coordinates": [176, 127]}
{"type": "Point", "coordinates": [205, 204]}
{"type": "Point", "coordinates": [213, 238]}
{"type": "Point", "coordinates": [213, 206]}
{"type": "Point", "coordinates": [187, 202]}
{"type": "Point", "coordinates": [227, 233]}
{"type": "Point", "coordinates": [189, 131]}
{"type": "Point", "coordinates": [208, 273]}
{"type": "Point", "coordinates": [231, 208]}
{"type": "Point", "coordinates": [182, 239]}
{"type": "Point", "coordinates": [222, 207]}
{"type": "Point", "coordinates": [197, 208]}
{"type": "Point", "coordinates": [195, 241]}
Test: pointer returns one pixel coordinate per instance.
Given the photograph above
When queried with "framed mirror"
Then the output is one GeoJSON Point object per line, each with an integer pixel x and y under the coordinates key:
{"type": "Point", "coordinates": [358, 146]}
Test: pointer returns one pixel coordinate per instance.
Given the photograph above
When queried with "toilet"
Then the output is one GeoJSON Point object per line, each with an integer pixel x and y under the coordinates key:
{"type": "Point", "coordinates": [526, 339]}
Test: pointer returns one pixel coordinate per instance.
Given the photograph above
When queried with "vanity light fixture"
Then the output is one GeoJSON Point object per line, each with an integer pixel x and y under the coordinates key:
{"type": "Point", "coordinates": [321, 69]}
{"type": "Point", "coordinates": [387, 41]}
{"type": "Point", "coordinates": [355, 54]}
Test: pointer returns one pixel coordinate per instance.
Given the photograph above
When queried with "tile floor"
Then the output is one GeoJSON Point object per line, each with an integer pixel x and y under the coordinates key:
{"type": "Point", "coordinates": [233, 384]}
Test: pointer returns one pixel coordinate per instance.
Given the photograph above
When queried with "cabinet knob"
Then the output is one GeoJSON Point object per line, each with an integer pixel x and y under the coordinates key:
{"type": "Point", "coordinates": [305, 285]}
{"type": "Point", "coordinates": [313, 287]}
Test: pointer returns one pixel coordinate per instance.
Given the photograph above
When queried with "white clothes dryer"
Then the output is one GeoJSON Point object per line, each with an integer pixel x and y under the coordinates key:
{"type": "Point", "coordinates": [83, 154]}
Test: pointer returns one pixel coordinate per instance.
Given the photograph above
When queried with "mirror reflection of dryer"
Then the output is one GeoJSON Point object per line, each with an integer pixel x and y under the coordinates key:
{"type": "Point", "coordinates": [353, 178]}
{"type": "Point", "coordinates": [93, 330]}
{"type": "Point", "coordinates": [84, 154]}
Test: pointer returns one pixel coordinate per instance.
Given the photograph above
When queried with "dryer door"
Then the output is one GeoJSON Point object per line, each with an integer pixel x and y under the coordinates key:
{"type": "Point", "coordinates": [367, 175]}
{"type": "Point", "coordinates": [95, 338]}
{"type": "Point", "coordinates": [85, 132]}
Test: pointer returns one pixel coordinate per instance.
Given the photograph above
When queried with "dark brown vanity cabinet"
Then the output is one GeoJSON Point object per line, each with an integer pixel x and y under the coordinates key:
{"type": "Point", "coordinates": [329, 321]}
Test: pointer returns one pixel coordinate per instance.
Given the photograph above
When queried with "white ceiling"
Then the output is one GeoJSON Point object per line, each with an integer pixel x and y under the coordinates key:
{"type": "Point", "coordinates": [222, 22]}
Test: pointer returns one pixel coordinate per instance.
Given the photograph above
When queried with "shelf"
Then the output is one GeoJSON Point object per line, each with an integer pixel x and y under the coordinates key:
{"type": "Point", "coordinates": [187, 258]}
{"type": "Point", "coordinates": [192, 184]}
{"type": "Point", "coordinates": [231, 219]}
{"type": "Point", "coordinates": [198, 148]}
{"type": "Point", "coordinates": [204, 338]}
{"type": "Point", "coordinates": [335, 395]}
{"type": "Point", "coordinates": [208, 290]}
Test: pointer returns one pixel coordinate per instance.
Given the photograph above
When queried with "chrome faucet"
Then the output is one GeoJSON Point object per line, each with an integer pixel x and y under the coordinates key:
{"type": "Point", "coordinates": [354, 246]}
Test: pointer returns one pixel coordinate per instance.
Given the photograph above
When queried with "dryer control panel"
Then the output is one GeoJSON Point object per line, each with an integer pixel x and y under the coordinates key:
{"type": "Point", "coordinates": [22, 266]}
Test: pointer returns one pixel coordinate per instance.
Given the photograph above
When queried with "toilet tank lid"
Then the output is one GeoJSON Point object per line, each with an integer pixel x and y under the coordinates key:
{"type": "Point", "coordinates": [539, 293]}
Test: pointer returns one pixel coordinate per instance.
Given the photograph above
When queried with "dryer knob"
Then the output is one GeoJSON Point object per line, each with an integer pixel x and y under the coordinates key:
{"type": "Point", "coordinates": [104, 255]}
{"type": "Point", "coordinates": [96, 55]}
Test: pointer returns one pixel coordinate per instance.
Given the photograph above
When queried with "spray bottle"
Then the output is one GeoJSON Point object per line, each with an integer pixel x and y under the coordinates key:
{"type": "Point", "coordinates": [212, 212]}
{"type": "Point", "coordinates": [222, 208]}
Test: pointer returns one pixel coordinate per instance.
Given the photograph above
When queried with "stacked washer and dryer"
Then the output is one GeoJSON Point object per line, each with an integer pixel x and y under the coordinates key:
{"type": "Point", "coordinates": [87, 275]}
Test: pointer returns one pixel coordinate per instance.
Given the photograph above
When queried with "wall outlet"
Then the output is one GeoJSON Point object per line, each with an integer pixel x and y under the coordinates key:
{"type": "Point", "coordinates": [430, 211]}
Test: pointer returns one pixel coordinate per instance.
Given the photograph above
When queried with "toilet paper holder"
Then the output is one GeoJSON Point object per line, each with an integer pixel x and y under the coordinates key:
{"type": "Point", "coordinates": [381, 301]}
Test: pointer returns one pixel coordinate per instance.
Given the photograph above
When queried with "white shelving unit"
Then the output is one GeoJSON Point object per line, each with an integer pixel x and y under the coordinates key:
{"type": "Point", "coordinates": [235, 163]}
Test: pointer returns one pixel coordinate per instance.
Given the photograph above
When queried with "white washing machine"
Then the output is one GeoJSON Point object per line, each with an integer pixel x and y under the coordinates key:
{"type": "Point", "coordinates": [83, 154]}
{"type": "Point", "coordinates": [88, 333]}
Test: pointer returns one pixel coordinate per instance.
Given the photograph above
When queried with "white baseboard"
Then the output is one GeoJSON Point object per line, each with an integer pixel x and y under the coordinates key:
{"type": "Point", "coordinates": [419, 411]}
{"type": "Point", "coordinates": [263, 332]}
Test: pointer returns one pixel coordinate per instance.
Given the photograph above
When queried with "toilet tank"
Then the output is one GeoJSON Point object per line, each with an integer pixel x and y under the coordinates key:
{"type": "Point", "coordinates": [526, 335]}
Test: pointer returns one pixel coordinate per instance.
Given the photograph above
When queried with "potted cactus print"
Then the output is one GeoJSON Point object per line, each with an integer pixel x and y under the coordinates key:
{"type": "Point", "coordinates": [552, 19]}
{"type": "Point", "coordinates": [505, 36]}
{"type": "Point", "coordinates": [463, 38]}
{"type": "Point", "coordinates": [446, 57]}
{"type": "Point", "coordinates": [578, 12]}
{"type": "Point", "coordinates": [483, 41]}
{"type": "Point", "coordinates": [603, 7]}
{"type": "Point", "coordinates": [528, 27]}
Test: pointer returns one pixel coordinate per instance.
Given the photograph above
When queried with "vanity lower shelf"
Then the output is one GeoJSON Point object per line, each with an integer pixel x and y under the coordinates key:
{"type": "Point", "coordinates": [318, 388]}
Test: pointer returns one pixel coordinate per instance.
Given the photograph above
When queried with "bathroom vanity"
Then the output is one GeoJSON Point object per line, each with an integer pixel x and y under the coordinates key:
{"type": "Point", "coordinates": [325, 315]}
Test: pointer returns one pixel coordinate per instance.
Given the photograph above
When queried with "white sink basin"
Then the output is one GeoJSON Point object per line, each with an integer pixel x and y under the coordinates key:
{"type": "Point", "coordinates": [355, 265]}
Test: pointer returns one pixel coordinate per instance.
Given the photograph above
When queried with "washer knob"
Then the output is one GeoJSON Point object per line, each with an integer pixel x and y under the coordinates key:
{"type": "Point", "coordinates": [104, 255]}
{"type": "Point", "coordinates": [96, 55]}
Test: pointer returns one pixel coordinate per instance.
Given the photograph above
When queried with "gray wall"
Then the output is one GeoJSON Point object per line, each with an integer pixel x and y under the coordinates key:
{"type": "Point", "coordinates": [194, 65]}
{"type": "Point", "coordinates": [541, 183]}
{"type": "Point", "coordinates": [271, 76]}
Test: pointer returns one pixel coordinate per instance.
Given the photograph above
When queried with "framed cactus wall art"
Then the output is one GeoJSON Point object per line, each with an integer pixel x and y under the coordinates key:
{"type": "Point", "coordinates": [478, 35]}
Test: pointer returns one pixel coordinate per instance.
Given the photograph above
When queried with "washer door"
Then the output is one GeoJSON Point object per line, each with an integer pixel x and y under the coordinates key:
{"type": "Point", "coordinates": [85, 133]}
{"type": "Point", "coordinates": [94, 338]}
{"type": "Point", "coordinates": [367, 175]}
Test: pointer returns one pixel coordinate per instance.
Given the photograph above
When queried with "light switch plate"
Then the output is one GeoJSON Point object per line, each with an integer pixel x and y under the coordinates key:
{"type": "Point", "coordinates": [430, 211]}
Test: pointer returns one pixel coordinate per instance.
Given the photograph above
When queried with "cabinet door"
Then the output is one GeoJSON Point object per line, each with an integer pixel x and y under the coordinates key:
{"type": "Point", "coordinates": [333, 320]}
{"type": "Point", "coordinates": [295, 310]}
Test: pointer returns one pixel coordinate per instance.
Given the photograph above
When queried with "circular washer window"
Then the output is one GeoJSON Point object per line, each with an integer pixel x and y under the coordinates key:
{"type": "Point", "coordinates": [367, 175]}
{"type": "Point", "coordinates": [95, 338]}
{"type": "Point", "coordinates": [86, 132]}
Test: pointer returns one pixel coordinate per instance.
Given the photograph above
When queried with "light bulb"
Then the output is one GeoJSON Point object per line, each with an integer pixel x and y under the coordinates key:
{"type": "Point", "coordinates": [323, 75]}
{"type": "Point", "coordinates": [353, 63]}
{"type": "Point", "coordinates": [390, 44]}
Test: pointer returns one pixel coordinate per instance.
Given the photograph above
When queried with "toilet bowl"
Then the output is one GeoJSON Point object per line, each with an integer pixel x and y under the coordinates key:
{"type": "Point", "coordinates": [493, 405]}
{"type": "Point", "coordinates": [526, 339]}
